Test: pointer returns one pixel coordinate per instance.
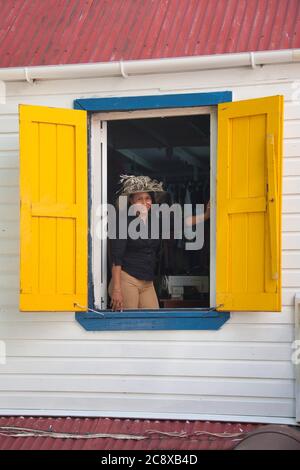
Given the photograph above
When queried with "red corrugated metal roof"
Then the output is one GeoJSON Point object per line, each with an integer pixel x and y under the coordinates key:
{"type": "Point", "coordinates": [34, 32]}
{"type": "Point", "coordinates": [156, 434]}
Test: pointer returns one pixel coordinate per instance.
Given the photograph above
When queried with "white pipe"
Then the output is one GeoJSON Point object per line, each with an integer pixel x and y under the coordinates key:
{"type": "Point", "coordinates": [27, 78]}
{"type": "Point", "coordinates": [150, 66]}
{"type": "Point", "coordinates": [122, 68]}
{"type": "Point", "coordinates": [252, 59]}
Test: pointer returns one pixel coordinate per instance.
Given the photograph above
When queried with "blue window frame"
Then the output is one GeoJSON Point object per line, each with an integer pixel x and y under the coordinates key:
{"type": "Point", "coordinates": [165, 319]}
{"type": "Point", "coordinates": [133, 103]}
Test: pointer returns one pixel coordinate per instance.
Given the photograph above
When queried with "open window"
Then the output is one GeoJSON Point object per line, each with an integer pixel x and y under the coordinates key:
{"type": "Point", "coordinates": [233, 151]}
{"type": "Point", "coordinates": [176, 148]}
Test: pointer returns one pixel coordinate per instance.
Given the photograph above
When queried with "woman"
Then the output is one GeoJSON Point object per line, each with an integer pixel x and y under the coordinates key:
{"type": "Point", "coordinates": [134, 260]}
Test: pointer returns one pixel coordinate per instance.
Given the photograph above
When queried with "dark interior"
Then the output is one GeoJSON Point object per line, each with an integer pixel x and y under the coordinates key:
{"type": "Point", "coordinates": [175, 150]}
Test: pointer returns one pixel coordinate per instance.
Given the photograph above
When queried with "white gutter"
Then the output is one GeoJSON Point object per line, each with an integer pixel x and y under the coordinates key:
{"type": "Point", "coordinates": [150, 66]}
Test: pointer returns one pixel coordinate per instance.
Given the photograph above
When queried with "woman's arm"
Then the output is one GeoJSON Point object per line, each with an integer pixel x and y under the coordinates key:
{"type": "Point", "coordinates": [118, 249]}
{"type": "Point", "coordinates": [116, 295]}
{"type": "Point", "coordinates": [196, 219]}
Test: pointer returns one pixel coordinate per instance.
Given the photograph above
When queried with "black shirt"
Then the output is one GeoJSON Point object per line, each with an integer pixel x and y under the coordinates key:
{"type": "Point", "coordinates": [136, 257]}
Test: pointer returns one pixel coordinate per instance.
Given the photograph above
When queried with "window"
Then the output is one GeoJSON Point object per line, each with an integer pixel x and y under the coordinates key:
{"type": "Point", "coordinates": [54, 204]}
{"type": "Point", "coordinates": [173, 146]}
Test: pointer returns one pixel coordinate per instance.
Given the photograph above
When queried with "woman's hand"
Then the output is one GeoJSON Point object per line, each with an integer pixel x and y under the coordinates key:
{"type": "Point", "coordinates": [116, 300]}
{"type": "Point", "coordinates": [200, 218]}
{"type": "Point", "coordinates": [207, 211]}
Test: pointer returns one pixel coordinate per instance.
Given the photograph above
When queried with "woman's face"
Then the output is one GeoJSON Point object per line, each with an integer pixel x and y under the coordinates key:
{"type": "Point", "coordinates": [142, 198]}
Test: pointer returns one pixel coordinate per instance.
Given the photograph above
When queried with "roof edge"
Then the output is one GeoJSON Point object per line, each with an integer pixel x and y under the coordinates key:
{"type": "Point", "coordinates": [150, 66]}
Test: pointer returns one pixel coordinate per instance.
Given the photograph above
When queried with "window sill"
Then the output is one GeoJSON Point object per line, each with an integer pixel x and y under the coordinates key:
{"type": "Point", "coordinates": [192, 319]}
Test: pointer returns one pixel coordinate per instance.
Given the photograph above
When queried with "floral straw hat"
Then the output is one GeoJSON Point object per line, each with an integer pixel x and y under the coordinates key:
{"type": "Point", "coordinates": [131, 184]}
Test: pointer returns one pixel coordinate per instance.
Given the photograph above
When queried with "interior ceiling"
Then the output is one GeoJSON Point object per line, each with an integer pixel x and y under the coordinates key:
{"type": "Point", "coordinates": [159, 142]}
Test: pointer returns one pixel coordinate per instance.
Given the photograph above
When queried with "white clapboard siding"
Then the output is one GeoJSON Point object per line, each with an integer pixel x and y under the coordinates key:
{"type": "Point", "coordinates": [290, 259]}
{"type": "Point", "coordinates": [9, 159]}
{"type": "Point", "coordinates": [153, 367]}
{"type": "Point", "coordinates": [9, 142]}
{"type": "Point", "coordinates": [291, 146]}
{"type": "Point", "coordinates": [291, 185]}
{"type": "Point", "coordinates": [10, 177]}
{"type": "Point", "coordinates": [118, 404]}
{"type": "Point", "coordinates": [9, 229]}
{"type": "Point", "coordinates": [70, 331]}
{"type": "Point", "coordinates": [8, 109]}
{"type": "Point", "coordinates": [291, 223]}
{"type": "Point", "coordinates": [9, 246]}
{"type": "Point", "coordinates": [9, 212]}
{"type": "Point", "coordinates": [288, 296]}
{"type": "Point", "coordinates": [290, 278]}
{"type": "Point", "coordinates": [208, 370]}
{"type": "Point", "coordinates": [292, 111]}
{"type": "Point", "coordinates": [291, 129]}
{"type": "Point", "coordinates": [8, 124]}
{"type": "Point", "coordinates": [242, 350]}
{"type": "Point", "coordinates": [153, 384]}
{"type": "Point", "coordinates": [290, 168]}
{"type": "Point", "coordinates": [54, 366]}
{"type": "Point", "coordinates": [8, 263]}
{"type": "Point", "coordinates": [291, 240]}
{"type": "Point", "coordinates": [9, 195]}
{"type": "Point", "coordinates": [9, 281]}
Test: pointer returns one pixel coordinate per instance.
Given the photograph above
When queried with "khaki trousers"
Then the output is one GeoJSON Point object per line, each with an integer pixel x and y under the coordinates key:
{"type": "Point", "coordinates": [136, 293]}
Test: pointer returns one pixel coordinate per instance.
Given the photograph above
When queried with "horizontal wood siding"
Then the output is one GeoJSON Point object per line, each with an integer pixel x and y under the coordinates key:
{"type": "Point", "coordinates": [53, 365]}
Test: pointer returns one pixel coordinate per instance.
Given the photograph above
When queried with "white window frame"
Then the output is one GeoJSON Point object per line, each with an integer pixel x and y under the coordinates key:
{"type": "Point", "coordinates": [99, 191]}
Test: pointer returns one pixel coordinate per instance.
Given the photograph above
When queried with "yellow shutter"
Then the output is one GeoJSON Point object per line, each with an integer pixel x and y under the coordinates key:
{"type": "Point", "coordinates": [53, 209]}
{"type": "Point", "coordinates": [249, 176]}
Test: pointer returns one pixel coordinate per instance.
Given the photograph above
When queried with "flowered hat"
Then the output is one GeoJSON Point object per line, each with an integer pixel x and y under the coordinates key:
{"type": "Point", "coordinates": [131, 184]}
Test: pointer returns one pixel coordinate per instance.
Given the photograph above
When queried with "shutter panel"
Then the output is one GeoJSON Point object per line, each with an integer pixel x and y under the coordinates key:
{"type": "Point", "coordinates": [249, 176]}
{"type": "Point", "coordinates": [53, 209]}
